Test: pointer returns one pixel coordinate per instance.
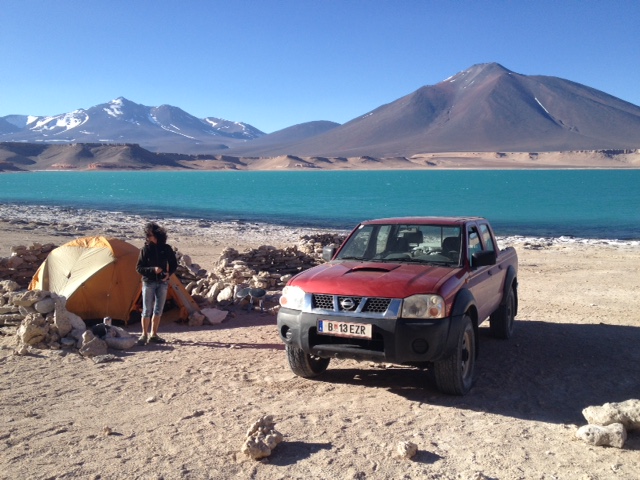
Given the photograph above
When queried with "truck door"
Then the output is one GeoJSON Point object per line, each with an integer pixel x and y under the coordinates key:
{"type": "Point", "coordinates": [496, 273]}
{"type": "Point", "coordinates": [481, 282]}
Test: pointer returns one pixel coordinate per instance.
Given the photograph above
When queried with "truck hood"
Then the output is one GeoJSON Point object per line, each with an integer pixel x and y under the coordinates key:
{"type": "Point", "coordinates": [373, 279]}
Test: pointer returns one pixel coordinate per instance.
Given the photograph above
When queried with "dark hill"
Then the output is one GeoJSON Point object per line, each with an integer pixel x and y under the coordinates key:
{"type": "Point", "coordinates": [484, 108]}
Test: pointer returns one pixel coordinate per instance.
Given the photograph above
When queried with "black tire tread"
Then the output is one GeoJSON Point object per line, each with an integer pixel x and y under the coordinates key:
{"type": "Point", "coordinates": [448, 372]}
{"type": "Point", "coordinates": [501, 323]}
{"type": "Point", "coordinates": [303, 364]}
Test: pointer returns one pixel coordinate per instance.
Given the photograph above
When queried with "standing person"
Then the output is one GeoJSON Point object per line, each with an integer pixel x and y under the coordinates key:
{"type": "Point", "coordinates": [156, 263]}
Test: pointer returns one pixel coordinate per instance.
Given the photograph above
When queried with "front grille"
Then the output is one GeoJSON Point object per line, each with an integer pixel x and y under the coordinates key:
{"type": "Point", "coordinates": [347, 304]}
{"type": "Point", "coordinates": [376, 305]}
{"type": "Point", "coordinates": [323, 302]}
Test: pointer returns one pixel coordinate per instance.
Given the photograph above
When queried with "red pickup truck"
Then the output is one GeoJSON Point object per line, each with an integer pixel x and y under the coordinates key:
{"type": "Point", "coordinates": [409, 291]}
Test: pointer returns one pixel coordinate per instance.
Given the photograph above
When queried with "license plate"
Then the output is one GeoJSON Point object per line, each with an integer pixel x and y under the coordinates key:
{"type": "Point", "coordinates": [344, 329]}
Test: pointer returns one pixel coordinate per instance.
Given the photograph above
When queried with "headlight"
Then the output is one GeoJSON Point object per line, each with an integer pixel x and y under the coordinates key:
{"type": "Point", "coordinates": [292, 297]}
{"type": "Point", "coordinates": [423, 306]}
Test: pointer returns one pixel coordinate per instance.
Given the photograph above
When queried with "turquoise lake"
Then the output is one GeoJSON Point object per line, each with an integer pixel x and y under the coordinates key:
{"type": "Point", "coordinates": [580, 203]}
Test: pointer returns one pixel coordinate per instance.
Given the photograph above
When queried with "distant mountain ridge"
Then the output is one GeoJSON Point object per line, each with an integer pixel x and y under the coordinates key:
{"type": "Point", "coordinates": [164, 128]}
{"type": "Point", "coordinates": [486, 108]}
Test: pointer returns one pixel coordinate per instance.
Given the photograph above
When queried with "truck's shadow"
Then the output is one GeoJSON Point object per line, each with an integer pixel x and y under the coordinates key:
{"type": "Point", "coordinates": [547, 372]}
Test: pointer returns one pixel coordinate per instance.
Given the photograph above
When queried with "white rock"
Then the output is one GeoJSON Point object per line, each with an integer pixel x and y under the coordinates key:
{"type": "Point", "coordinates": [214, 316]}
{"type": "Point", "coordinates": [65, 320]}
{"type": "Point", "coordinates": [26, 299]}
{"type": "Point", "coordinates": [67, 342]}
{"type": "Point", "coordinates": [9, 286]}
{"type": "Point", "coordinates": [44, 306]}
{"type": "Point", "coordinates": [406, 449]}
{"type": "Point", "coordinates": [225, 295]}
{"type": "Point", "coordinates": [32, 330]}
{"type": "Point", "coordinates": [196, 319]}
{"type": "Point", "coordinates": [261, 439]}
{"type": "Point", "coordinates": [626, 413]}
{"type": "Point", "coordinates": [93, 347]}
{"type": "Point", "coordinates": [613, 435]}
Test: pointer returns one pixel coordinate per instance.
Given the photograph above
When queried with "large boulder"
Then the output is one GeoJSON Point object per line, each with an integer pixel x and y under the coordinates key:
{"type": "Point", "coordinates": [627, 413]}
{"type": "Point", "coordinates": [92, 346]}
{"type": "Point", "coordinates": [66, 321]}
{"type": "Point", "coordinates": [33, 330]}
{"type": "Point", "coordinates": [28, 298]}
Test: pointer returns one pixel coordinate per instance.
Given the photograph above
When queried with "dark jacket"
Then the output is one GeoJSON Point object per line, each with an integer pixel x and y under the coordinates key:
{"type": "Point", "coordinates": [153, 255]}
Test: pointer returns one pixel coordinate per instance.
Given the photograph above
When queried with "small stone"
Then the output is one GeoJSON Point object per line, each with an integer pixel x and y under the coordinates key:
{"type": "Point", "coordinates": [613, 435]}
{"type": "Point", "coordinates": [406, 449]}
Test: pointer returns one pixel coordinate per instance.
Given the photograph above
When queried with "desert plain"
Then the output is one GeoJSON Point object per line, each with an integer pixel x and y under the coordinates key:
{"type": "Point", "coordinates": [181, 410]}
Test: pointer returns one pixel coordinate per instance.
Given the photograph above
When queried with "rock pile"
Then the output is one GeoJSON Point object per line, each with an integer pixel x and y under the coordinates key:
{"type": "Point", "coordinates": [23, 262]}
{"type": "Point", "coordinates": [261, 438]}
{"type": "Point", "coordinates": [265, 267]}
{"type": "Point", "coordinates": [608, 424]}
{"type": "Point", "coordinates": [42, 321]}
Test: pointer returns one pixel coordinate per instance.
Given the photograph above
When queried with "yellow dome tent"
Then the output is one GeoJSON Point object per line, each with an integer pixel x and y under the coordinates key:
{"type": "Point", "coordinates": [97, 276]}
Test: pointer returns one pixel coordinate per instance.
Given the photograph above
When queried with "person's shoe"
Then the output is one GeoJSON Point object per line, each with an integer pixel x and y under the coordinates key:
{"type": "Point", "coordinates": [142, 340]}
{"type": "Point", "coordinates": [156, 339]}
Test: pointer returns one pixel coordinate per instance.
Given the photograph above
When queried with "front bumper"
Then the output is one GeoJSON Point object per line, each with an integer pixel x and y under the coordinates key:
{"type": "Point", "coordinates": [394, 340]}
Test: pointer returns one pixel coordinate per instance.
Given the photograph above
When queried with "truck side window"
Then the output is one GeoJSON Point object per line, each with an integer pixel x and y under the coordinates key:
{"type": "Point", "coordinates": [486, 238]}
{"type": "Point", "coordinates": [473, 244]}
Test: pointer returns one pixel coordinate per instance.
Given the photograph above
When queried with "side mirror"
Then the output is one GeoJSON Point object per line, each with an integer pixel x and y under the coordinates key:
{"type": "Point", "coordinates": [328, 251]}
{"type": "Point", "coordinates": [483, 258]}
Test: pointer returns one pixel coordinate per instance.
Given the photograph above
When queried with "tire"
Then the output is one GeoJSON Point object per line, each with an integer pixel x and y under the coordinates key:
{"type": "Point", "coordinates": [455, 375]}
{"type": "Point", "coordinates": [502, 321]}
{"type": "Point", "coordinates": [303, 364]}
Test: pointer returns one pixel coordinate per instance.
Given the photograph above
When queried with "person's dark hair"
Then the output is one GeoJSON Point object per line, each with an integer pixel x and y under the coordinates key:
{"type": "Point", "coordinates": [157, 231]}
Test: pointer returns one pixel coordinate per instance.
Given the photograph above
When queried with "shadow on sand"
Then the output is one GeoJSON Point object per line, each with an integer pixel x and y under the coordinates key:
{"type": "Point", "coordinates": [546, 372]}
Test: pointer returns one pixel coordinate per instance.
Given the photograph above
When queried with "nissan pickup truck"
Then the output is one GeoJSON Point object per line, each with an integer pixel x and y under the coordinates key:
{"type": "Point", "coordinates": [409, 291]}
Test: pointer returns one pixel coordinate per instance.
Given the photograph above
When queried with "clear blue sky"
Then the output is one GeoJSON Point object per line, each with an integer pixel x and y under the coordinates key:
{"type": "Point", "coordinates": [274, 64]}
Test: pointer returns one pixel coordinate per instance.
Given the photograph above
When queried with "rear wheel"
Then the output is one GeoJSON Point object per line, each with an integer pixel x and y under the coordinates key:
{"type": "Point", "coordinates": [305, 365]}
{"type": "Point", "coordinates": [502, 321]}
{"type": "Point", "coordinates": [455, 375]}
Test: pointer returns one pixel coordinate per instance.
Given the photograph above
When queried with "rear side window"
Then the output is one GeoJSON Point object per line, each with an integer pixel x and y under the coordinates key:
{"type": "Point", "coordinates": [486, 238]}
{"type": "Point", "coordinates": [474, 242]}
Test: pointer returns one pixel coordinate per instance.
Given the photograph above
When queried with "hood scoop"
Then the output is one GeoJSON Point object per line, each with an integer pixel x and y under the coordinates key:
{"type": "Point", "coordinates": [373, 268]}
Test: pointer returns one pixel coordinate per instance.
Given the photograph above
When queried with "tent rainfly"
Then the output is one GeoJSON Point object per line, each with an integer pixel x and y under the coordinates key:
{"type": "Point", "coordinates": [97, 276]}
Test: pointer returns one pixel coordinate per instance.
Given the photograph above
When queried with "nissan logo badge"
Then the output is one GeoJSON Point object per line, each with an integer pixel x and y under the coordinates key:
{"type": "Point", "coordinates": [347, 303]}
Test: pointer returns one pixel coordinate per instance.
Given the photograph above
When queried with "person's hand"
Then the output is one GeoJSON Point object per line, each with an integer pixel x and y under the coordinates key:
{"type": "Point", "coordinates": [157, 270]}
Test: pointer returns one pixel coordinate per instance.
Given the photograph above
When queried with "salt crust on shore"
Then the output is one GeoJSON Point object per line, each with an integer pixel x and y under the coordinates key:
{"type": "Point", "coordinates": [74, 222]}
{"type": "Point", "coordinates": [181, 410]}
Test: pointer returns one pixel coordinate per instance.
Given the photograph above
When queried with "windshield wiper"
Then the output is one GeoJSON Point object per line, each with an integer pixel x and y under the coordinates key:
{"type": "Point", "coordinates": [351, 258]}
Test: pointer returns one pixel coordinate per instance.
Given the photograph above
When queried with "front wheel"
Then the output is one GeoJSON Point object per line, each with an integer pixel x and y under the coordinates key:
{"type": "Point", "coordinates": [502, 321]}
{"type": "Point", "coordinates": [455, 374]}
{"type": "Point", "coordinates": [303, 364]}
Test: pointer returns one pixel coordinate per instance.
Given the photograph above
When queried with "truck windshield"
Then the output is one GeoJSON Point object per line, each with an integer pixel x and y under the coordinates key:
{"type": "Point", "coordinates": [435, 244]}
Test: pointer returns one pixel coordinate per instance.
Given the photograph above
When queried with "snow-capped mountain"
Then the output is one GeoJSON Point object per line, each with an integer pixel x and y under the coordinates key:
{"type": "Point", "coordinates": [162, 129]}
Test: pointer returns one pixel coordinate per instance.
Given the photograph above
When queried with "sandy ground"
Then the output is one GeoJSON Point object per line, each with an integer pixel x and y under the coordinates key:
{"type": "Point", "coordinates": [181, 410]}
